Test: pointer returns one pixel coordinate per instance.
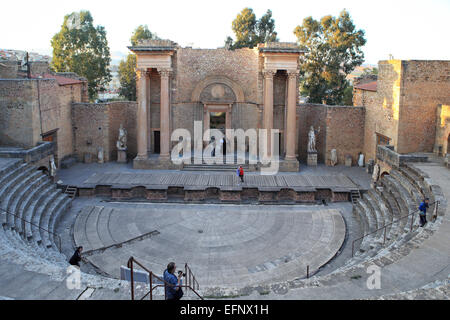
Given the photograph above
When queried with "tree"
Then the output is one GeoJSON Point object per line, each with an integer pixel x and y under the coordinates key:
{"type": "Point", "coordinates": [249, 31]}
{"type": "Point", "coordinates": [82, 48]}
{"type": "Point", "coordinates": [141, 33]}
{"type": "Point", "coordinates": [334, 49]}
{"type": "Point", "coordinates": [127, 67]}
{"type": "Point", "coordinates": [127, 77]}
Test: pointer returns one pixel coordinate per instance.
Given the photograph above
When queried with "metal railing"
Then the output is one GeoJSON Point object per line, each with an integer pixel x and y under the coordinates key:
{"type": "Point", "coordinates": [436, 203]}
{"type": "Point", "coordinates": [191, 282]}
{"type": "Point", "coordinates": [33, 224]}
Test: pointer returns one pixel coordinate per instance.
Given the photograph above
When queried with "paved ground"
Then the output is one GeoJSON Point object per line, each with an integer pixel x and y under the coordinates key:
{"type": "Point", "coordinates": [223, 244]}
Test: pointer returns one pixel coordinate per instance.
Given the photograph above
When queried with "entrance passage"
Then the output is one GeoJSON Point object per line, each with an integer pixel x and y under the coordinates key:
{"type": "Point", "coordinates": [157, 146]}
{"type": "Point", "coordinates": [217, 121]}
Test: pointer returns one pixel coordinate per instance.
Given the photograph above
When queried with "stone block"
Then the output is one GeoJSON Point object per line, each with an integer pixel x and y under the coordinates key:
{"type": "Point", "coordinates": [312, 159]}
{"type": "Point", "coordinates": [121, 156]}
{"type": "Point", "coordinates": [87, 158]}
{"type": "Point", "coordinates": [348, 160]}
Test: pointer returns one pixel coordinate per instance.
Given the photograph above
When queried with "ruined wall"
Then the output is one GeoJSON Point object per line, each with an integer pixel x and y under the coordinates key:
{"type": "Point", "coordinates": [123, 112]}
{"type": "Point", "coordinates": [425, 85]}
{"type": "Point", "coordinates": [97, 125]}
{"type": "Point", "coordinates": [362, 98]}
{"type": "Point", "coordinates": [382, 113]}
{"type": "Point", "coordinates": [17, 102]}
{"type": "Point", "coordinates": [344, 132]}
{"type": "Point", "coordinates": [311, 115]}
{"type": "Point", "coordinates": [441, 146]}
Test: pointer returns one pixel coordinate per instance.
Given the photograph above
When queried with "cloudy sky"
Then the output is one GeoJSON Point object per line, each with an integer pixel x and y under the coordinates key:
{"type": "Point", "coordinates": [406, 29]}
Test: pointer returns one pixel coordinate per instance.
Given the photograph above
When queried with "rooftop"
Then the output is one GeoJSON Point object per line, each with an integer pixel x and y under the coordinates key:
{"type": "Point", "coordinates": [369, 86]}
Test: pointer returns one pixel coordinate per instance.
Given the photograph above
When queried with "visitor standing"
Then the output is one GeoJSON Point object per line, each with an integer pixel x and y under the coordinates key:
{"type": "Point", "coordinates": [76, 258]}
{"type": "Point", "coordinates": [423, 212]}
{"type": "Point", "coordinates": [241, 173]}
{"type": "Point", "coordinates": [173, 288]}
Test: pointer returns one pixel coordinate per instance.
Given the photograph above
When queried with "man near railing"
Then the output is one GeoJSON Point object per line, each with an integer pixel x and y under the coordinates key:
{"type": "Point", "coordinates": [173, 290]}
{"type": "Point", "coordinates": [423, 212]}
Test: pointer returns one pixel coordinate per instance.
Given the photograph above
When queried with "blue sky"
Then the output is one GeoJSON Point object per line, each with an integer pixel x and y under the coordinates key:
{"type": "Point", "coordinates": [405, 29]}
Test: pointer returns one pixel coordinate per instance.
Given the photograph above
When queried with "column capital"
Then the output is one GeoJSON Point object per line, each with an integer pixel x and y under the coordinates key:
{"type": "Point", "coordinates": [165, 72]}
{"type": "Point", "coordinates": [268, 73]}
{"type": "Point", "coordinates": [293, 73]}
{"type": "Point", "coordinates": [141, 72]}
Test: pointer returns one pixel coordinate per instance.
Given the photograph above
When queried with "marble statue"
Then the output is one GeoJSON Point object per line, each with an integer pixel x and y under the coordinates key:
{"type": "Point", "coordinates": [333, 159]}
{"type": "Point", "coordinates": [52, 167]}
{"type": "Point", "coordinates": [122, 141]}
{"type": "Point", "coordinates": [361, 160]}
{"type": "Point", "coordinates": [100, 155]}
{"type": "Point", "coordinates": [312, 139]}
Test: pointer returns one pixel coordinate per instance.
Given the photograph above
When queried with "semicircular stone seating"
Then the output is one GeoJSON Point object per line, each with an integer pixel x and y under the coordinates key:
{"type": "Point", "coordinates": [32, 197]}
{"type": "Point", "coordinates": [394, 204]}
{"type": "Point", "coordinates": [29, 196]}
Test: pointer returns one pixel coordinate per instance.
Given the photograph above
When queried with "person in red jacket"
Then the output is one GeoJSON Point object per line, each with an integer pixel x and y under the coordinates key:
{"type": "Point", "coordinates": [241, 173]}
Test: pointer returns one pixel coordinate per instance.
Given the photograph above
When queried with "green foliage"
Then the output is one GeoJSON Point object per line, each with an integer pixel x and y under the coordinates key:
{"type": "Point", "coordinates": [249, 31]}
{"type": "Point", "coordinates": [347, 100]}
{"type": "Point", "coordinates": [142, 33]}
{"type": "Point", "coordinates": [82, 48]}
{"type": "Point", "coordinates": [127, 67]}
{"type": "Point", "coordinates": [127, 78]}
{"type": "Point", "coordinates": [334, 49]}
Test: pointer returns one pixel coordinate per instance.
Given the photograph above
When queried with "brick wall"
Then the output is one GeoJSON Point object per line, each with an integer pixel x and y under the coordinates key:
{"type": "Point", "coordinates": [344, 132]}
{"type": "Point", "coordinates": [425, 84]}
{"type": "Point", "coordinates": [97, 125]}
{"type": "Point", "coordinates": [404, 108]}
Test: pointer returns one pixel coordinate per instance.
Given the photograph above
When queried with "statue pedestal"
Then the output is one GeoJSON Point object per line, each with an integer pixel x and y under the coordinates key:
{"type": "Point", "coordinates": [348, 160]}
{"type": "Point", "coordinates": [121, 156]}
{"type": "Point", "coordinates": [312, 159]}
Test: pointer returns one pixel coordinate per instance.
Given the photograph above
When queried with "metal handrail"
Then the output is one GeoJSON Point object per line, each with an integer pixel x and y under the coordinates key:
{"type": "Point", "coordinates": [33, 224]}
{"type": "Point", "coordinates": [389, 224]}
{"type": "Point", "coordinates": [189, 276]}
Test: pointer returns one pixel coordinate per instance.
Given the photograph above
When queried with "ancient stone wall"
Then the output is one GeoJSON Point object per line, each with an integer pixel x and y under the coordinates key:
{"type": "Point", "coordinates": [344, 132]}
{"type": "Point", "coordinates": [362, 98]}
{"type": "Point", "coordinates": [97, 125]}
{"type": "Point", "coordinates": [311, 115]}
{"type": "Point", "coordinates": [425, 84]}
{"type": "Point", "coordinates": [16, 117]}
{"type": "Point", "coordinates": [195, 65]}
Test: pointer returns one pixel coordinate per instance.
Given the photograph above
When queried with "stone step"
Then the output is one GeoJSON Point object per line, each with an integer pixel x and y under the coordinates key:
{"type": "Point", "coordinates": [384, 209]}
{"type": "Point", "coordinates": [33, 208]}
{"type": "Point", "coordinates": [29, 201]}
{"type": "Point", "coordinates": [15, 177]}
{"type": "Point", "coordinates": [45, 220]}
{"type": "Point", "coordinates": [375, 212]}
{"type": "Point", "coordinates": [102, 227]}
{"type": "Point", "coordinates": [403, 208]}
{"type": "Point", "coordinates": [416, 195]}
{"type": "Point", "coordinates": [94, 241]}
{"type": "Point", "coordinates": [9, 175]}
{"type": "Point", "coordinates": [396, 228]}
{"type": "Point", "coordinates": [79, 228]}
{"type": "Point", "coordinates": [37, 217]}
{"type": "Point", "coordinates": [15, 192]}
{"type": "Point", "coordinates": [55, 218]}
{"type": "Point", "coordinates": [22, 199]}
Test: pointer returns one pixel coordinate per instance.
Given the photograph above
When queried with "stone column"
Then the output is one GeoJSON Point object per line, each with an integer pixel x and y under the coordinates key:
{"type": "Point", "coordinates": [165, 113]}
{"type": "Point", "coordinates": [142, 115]}
{"type": "Point", "coordinates": [291, 115]}
{"type": "Point", "coordinates": [149, 131]}
{"type": "Point", "coordinates": [268, 106]}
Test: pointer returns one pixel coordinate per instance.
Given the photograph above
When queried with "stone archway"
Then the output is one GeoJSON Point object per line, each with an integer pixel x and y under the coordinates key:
{"type": "Point", "coordinates": [220, 80]}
